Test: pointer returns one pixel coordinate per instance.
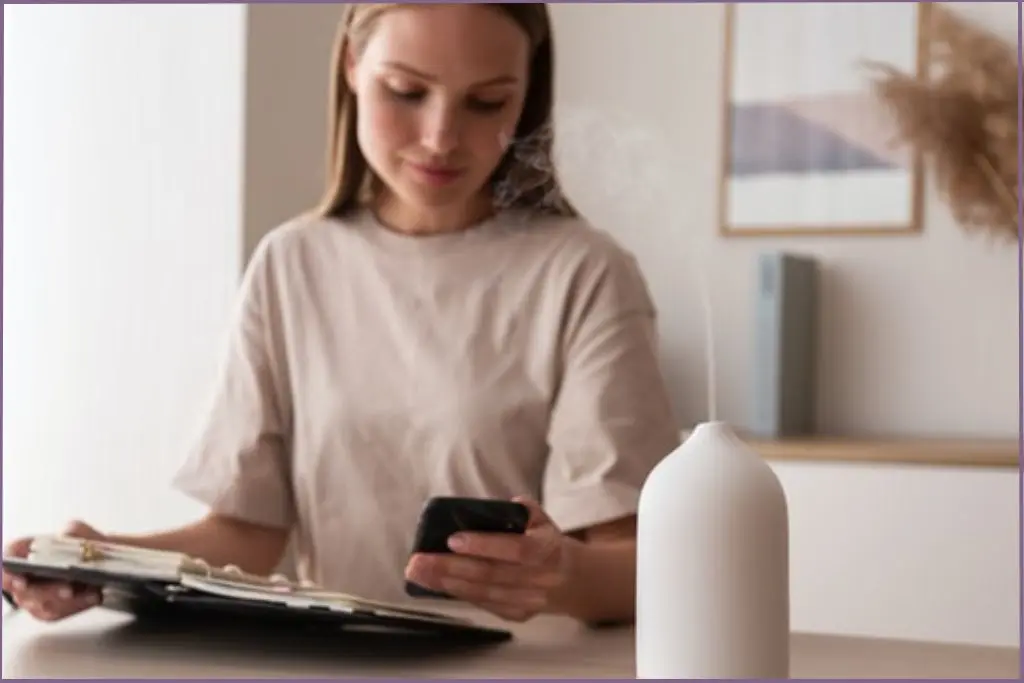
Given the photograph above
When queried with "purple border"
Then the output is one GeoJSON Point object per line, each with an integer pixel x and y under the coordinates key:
{"type": "Point", "coordinates": [1020, 292]}
{"type": "Point", "coordinates": [1020, 56]}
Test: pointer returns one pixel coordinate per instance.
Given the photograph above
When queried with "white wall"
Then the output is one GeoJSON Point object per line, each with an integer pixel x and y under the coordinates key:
{"type": "Point", "coordinates": [920, 333]}
{"type": "Point", "coordinates": [122, 231]}
{"type": "Point", "coordinates": [139, 176]}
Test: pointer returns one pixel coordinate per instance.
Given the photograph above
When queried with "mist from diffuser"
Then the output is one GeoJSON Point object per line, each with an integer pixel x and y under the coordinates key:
{"type": "Point", "coordinates": [713, 537]}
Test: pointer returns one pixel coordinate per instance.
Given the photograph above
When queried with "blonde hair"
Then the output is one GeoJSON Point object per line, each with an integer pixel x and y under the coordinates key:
{"type": "Point", "coordinates": [524, 183]}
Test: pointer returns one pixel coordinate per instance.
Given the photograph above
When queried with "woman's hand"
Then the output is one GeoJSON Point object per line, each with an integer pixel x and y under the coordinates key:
{"type": "Point", "coordinates": [515, 576]}
{"type": "Point", "coordinates": [50, 601]}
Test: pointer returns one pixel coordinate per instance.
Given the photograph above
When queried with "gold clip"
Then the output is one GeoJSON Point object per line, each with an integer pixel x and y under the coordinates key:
{"type": "Point", "coordinates": [90, 553]}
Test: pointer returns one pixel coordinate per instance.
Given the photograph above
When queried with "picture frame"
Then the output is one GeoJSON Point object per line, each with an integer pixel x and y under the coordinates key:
{"type": "Point", "coordinates": [807, 149]}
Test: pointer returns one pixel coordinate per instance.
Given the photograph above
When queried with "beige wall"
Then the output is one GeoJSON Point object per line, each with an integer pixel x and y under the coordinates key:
{"type": "Point", "coordinates": [287, 72]}
{"type": "Point", "coordinates": [920, 335]}
{"type": "Point", "coordinates": [288, 50]}
{"type": "Point", "coordinates": [921, 332]}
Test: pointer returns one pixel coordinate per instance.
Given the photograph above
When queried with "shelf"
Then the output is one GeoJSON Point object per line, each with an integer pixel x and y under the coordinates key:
{"type": "Point", "coordinates": [972, 453]}
{"type": "Point", "coordinates": [938, 452]}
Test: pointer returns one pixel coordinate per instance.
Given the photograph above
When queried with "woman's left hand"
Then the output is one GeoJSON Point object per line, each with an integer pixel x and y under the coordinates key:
{"type": "Point", "coordinates": [515, 576]}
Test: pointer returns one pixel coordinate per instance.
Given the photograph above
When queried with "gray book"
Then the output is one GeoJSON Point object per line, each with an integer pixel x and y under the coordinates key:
{"type": "Point", "coordinates": [786, 320]}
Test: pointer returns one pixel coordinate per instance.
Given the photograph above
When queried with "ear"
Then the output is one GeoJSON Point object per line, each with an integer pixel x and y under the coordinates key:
{"type": "Point", "coordinates": [350, 67]}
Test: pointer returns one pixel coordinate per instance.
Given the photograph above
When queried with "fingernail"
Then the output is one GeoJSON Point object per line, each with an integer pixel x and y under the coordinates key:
{"type": "Point", "coordinates": [19, 584]}
{"type": "Point", "coordinates": [457, 542]}
{"type": "Point", "coordinates": [66, 593]}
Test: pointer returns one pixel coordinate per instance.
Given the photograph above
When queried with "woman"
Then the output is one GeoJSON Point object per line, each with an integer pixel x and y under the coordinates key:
{"type": "Point", "coordinates": [442, 325]}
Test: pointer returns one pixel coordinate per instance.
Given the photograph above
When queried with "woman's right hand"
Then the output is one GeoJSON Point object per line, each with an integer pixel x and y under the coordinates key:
{"type": "Point", "coordinates": [51, 601]}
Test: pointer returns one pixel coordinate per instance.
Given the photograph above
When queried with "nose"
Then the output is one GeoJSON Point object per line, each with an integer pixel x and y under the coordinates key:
{"type": "Point", "coordinates": [440, 130]}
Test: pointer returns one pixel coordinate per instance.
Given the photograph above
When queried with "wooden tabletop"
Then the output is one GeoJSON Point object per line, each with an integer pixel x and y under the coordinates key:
{"type": "Point", "coordinates": [103, 644]}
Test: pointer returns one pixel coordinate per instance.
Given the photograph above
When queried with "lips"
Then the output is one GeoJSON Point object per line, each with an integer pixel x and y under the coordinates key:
{"type": "Point", "coordinates": [434, 173]}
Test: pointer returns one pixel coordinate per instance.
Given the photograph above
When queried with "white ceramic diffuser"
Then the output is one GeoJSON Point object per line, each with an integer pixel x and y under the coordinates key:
{"type": "Point", "coordinates": [712, 564]}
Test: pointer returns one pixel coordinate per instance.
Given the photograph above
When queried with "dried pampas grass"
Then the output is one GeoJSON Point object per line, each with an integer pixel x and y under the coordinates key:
{"type": "Point", "coordinates": [963, 118]}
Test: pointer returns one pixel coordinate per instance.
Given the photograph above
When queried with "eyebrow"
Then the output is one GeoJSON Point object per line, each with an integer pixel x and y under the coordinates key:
{"type": "Point", "coordinates": [498, 80]}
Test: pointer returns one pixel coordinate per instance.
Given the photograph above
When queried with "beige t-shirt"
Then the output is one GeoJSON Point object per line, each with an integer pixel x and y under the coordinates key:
{"type": "Point", "coordinates": [369, 370]}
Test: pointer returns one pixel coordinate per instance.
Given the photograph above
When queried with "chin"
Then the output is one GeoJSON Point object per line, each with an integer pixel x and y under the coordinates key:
{"type": "Point", "coordinates": [436, 197]}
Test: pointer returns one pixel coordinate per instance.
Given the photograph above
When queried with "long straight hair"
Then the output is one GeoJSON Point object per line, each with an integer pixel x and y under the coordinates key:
{"type": "Point", "coordinates": [523, 182]}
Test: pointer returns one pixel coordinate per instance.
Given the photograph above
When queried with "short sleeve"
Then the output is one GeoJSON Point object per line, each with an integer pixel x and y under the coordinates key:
{"type": "Point", "coordinates": [612, 420]}
{"type": "Point", "coordinates": [240, 465]}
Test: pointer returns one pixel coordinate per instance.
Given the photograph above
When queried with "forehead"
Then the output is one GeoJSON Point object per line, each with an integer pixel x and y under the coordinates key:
{"type": "Point", "coordinates": [450, 41]}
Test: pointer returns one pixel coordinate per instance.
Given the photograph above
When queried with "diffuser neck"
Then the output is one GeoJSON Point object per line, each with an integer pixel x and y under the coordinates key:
{"type": "Point", "coordinates": [716, 428]}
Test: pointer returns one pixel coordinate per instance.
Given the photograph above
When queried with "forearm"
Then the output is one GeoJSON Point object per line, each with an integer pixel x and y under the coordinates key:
{"type": "Point", "coordinates": [219, 541]}
{"type": "Point", "coordinates": [601, 583]}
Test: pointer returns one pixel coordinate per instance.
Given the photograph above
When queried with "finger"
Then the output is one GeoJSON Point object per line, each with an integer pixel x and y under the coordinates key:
{"type": "Point", "coordinates": [528, 599]}
{"type": "Point", "coordinates": [508, 612]}
{"type": "Point", "coordinates": [13, 583]}
{"type": "Point", "coordinates": [86, 599]}
{"type": "Point", "coordinates": [51, 591]}
{"type": "Point", "coordinates": [79, 529]}
{"type": "Point", "coordinates": [36, 603]}
{"type": "Point", "coordinates": [498, 573]}
{"type": "Point", "coordinates": [57, 601]}
{"type": "Point", "coordinates": [531, 549]}
{"type": "Point", "coordinates": [81, 599]}
{"type": "Point", "coordinates": [429, 570]}
{"type": "Point", "coordinates": [44, 593]}
{"type": "Point", "coordinates": [35, 609]}
{"type": "Point", "coordinates": [538, 516]}
{"type": "Point", "coordinates": [53, 611]}
{"type": "Point", "coordinates": [18, 548]}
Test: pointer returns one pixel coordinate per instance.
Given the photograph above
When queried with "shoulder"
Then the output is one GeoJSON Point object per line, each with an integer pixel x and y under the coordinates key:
{"type": "Point", "coordinates": [285, 254]}
{"type": "Point", "coordinates": [589, 259]}
{"type": "Point", "coordinates": [595, 278]}
{"type": "Point", "coordinates": [289, 239]}
{"type": "Point", "coordinates": [575, 244]}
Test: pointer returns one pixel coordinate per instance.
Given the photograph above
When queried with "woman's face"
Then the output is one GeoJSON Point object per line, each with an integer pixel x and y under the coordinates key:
{"type": "Point", "coordinates": [439, 92]}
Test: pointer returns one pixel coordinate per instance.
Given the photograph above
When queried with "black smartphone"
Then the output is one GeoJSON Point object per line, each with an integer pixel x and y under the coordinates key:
{"type": "Point", "coordinates": [444, 516]}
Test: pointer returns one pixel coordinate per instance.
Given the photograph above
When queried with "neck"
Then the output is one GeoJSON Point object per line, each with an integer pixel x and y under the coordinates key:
{"type": "Point", "coordinates": [412, 220]}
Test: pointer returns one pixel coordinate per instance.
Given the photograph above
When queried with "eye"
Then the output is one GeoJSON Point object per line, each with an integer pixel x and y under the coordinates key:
{"type": "Point", "coordinates": [402, 89]}
{"type": "Point", "coordinates": [405, 94]}
{"type": "Point", "coordinates": [486, 106]}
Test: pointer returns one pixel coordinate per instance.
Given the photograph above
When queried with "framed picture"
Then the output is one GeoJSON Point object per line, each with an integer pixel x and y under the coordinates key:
{"type": "Point", "coordinates": [807, 148]}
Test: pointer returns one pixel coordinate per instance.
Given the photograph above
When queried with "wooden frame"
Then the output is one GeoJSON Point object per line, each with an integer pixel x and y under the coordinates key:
{"type": "Point", "coordinates": [840, 141]}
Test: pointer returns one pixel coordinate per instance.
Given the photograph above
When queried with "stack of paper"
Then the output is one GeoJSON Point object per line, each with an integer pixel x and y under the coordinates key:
{"type": "Point", "coordinates": [192, 574]}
